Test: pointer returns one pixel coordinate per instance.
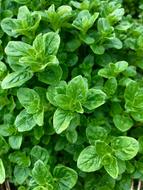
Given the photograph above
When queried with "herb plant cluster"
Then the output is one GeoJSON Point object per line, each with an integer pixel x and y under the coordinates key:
{"type": "Point", "coordinates": [71, 94]}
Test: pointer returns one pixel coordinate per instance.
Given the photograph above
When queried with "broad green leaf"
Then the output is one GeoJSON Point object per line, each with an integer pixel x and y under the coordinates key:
{"type": "Point", "coordinates": [62, 120]}
{"type": "Point", "coordinates": [88, 160]}
{"type": "Point", "coordinates": [110, 86]}
{"type": "Point", "coordinates": [16, 79]}
{"type": "Point", "coordinates": [77, 88]}
{"type": "Point", "coordinates": [52, 42]}
{"type": "Point", "coordinates": [29, 99]}
{"type": "Point", "coordinates": [72, 136]}
{"type": "Point", "coordinates": [51, 75]}
{"type": "Point", "coordinates": [2, 172]}
{"type": "Point", "coordinates": [24, 121]}
{"type": "Point", "coordinates": [125, 147]}
{"type": "Point", "coordinates": [111, 165]}
{"type": "Point", "coordinates": [6, 130]}
{"type": "Point", "coordinates": [114, 42]}
{"type": "Point", "coordinates": [123, 122]}
{"type": "Point", "coordinates": [103, 26]}
{"type": "Point", "coordinates": [94, 133]}
{"type": "Point", "coordinates": [39, 153]}
{"type": "Point", "coordinates": [15, 141]}
{"type": "Point", "coordinates": [64, 102]}
{"type": "Point", "coordinates": [97, 49]}
{"type": "Point", "coordinates": [21, 174]}
{"type": "Point", "coordinates": [40, 173]}
{"type": "Point", "coordinates": [95, 98]}
{"type": "Point", "coordinates": [66, 177]}
{"type": "Point", "coordinates": [17, 49]}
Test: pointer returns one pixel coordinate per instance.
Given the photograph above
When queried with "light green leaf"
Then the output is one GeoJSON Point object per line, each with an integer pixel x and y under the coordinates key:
{"type": "Point", "coordinates": [52, 42]}
{"type": "Point", "coordinates": [125, 147]}
{"type": "Point", "coordinates": [15, 141]}
{"type": "Point", "coordinates": [24, 121]}
{"type": "Point", "coordinates": [122, 122]}
{"type": "Point", "coordinates": [94, 133]}
{"type": "Point", "coordinates": [95, 98]}
{"type": "Point", "coordinates": [39, 153]}
{"type": "Point", "coordinates": [40, 173]}
{"type": "Point", "coordinates": [66, 177]}
{"type": "Point", "coordinates": [88, 160]}
{"type": "Point", "coordinates": [77, 88]}
{"type": "Point", "coordinates": [111, 165]}
{"type": "Point", "coordinates": [16, 79]}
{"type": "Point", "coordinates": [29, 99]}
{"type": "Point", "coordinates": [21, 174]}
{"type": "Point", "coordinates": [61, 120]}
{"type": "Point", "coordinates": [17, 48]}
{"type": "Point", "coordinates": [51, 75]}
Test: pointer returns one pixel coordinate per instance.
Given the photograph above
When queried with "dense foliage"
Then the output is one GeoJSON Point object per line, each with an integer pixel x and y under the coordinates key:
{"type": "Point", "coordinates": [71, 94]}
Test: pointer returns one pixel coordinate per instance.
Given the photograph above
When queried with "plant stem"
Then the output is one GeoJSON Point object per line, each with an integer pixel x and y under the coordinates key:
{"type": "Point", "coordinates": [132, 185]}
{"type": "Point", "coordinates": [7, 186]}
{"type": "Point", "coordinates": [139, 185]}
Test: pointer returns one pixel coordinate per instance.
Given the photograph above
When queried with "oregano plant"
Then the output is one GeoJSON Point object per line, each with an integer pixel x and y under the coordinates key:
{"type": "Point", "coordinates": [71, 94]}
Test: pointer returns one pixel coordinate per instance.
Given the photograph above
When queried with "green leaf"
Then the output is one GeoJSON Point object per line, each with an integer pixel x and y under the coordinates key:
{"type": "Point", "coordinates": [39, 153]}
{"type": "Point", "coordinates": [97, 49]}
{"type": "Point", "coordinates": [77, 88]}
{"type": "Point", "coordinates": [24, 121]}
{"type": "Point", "coordinates": [51, 75]}
{"type": "Point", "coordinates": [21, 174]}
{"type": "Point", "coordinates": [110, 86]}
{"type": "Point", "coordinates": [62, 120]}
{"type": "Point", "coordinates": [114, 42]}
{"type": "Point", "coordinates": [19, 158]}
{"type": "Point", "coordinates": [6, 130]}
{"type": "Point", "coordinates": [125, 147]}
{"type": "Point", "coordinates": [111, 165]}
{"type": "Point", "coordinates": [123, 122]}
{"type": "Point", "coordinates": [16, 79]}
{"type": "Point", "coordinates": [64, 102]}
{"type": "Point", "coordinates": [84, 20]}
{"type": "Point", "coordinates": [4, 146]}
{"type": "Point", "coordinates": [15, 141]}
{"type": "Point", "coordinates": [29, 99]}
{"type": "Point", "coordinates": [2, 172]}
{"type": "Point", "coordinates": [40, 173]}
{"type": "Point", "coordinates": [52, 42]}
{"type": "Point", "coordinates": [72, 136]}
{"type": "Point", "coordinates": [103, 26]}
{"type": "Point", "coordinates": [65, 177]}
{"type": "Point", "coordinates": [94, 133]}
{"type": "Point", "coordinates": [88, 160]}
{"type": "Point", "coordinates": [17, 49]}
{"type": "Point", "coordinates": [95, 98]}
